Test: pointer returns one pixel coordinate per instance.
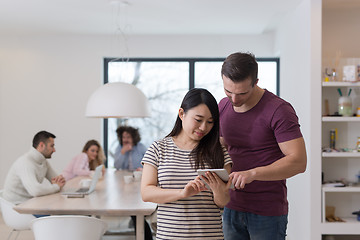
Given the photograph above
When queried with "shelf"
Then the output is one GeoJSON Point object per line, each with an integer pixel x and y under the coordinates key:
{"type": "Point", "coordinates": [341, 119]}
{"type": "Point", "coordinates": [351, 226]}
{"type": "Point", "coordinates": [341, 154]}
{"type": "Point", "coordinates": [341, 189]}
{"type": "Point", "coordinates": [341, 84]}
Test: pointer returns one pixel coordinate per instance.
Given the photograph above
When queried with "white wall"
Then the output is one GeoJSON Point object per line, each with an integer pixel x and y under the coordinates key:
{"type": "Point", "coordinates": [45, 82]}
{"type": "Point", "coordinates": [298, 41]}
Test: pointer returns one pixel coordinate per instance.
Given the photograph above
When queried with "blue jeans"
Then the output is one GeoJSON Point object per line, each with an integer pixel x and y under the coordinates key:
{"type": "Point", "coordinates": [246, 226]}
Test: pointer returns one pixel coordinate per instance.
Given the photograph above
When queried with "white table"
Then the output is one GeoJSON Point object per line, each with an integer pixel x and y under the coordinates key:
{"type": "Point", "coordinates": [112, 197]}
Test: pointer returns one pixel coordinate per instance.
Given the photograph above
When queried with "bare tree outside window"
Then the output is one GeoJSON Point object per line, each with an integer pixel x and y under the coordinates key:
{"type": "Point", "coordinates": [164, 84]}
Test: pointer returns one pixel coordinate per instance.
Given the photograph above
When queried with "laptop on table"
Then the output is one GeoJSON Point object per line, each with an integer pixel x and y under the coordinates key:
{"type": "Point", "coordinates": [85, 191]}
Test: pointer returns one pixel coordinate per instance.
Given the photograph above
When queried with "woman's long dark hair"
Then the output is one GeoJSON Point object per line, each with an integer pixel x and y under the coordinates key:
{"type": "Point", "coordinates": [209, 149]}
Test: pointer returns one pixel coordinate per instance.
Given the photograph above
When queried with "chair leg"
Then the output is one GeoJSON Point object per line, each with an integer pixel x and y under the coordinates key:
{"type": "Point", "coordinates": [17, 234]}
{"type": "Point", "coordinates": [10, 234]}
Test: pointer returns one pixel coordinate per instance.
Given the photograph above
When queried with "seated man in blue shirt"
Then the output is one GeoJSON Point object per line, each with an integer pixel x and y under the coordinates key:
{"type": "Point", "coordinates": [129, 153]}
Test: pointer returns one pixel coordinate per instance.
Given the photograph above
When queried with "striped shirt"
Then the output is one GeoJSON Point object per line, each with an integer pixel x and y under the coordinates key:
{"type": "Point", "coordinates": [195, 217]}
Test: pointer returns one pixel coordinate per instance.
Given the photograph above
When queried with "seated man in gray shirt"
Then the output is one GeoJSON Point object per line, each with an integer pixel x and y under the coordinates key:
{"type": "Point", "coordinates": [31, 175]}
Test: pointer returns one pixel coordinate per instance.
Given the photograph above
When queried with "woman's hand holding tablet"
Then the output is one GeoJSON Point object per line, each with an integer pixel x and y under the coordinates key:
{"type": "Point", "coordinates": [222, 173]}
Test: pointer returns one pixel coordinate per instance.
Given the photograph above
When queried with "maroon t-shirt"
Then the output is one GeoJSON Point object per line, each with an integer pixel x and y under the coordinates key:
{"type": "Point", "coordinates": [253, 138]}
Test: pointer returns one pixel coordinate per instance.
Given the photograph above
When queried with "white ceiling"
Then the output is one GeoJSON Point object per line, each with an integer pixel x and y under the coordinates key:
{"type": "Point", "coordinates": [142, 16]}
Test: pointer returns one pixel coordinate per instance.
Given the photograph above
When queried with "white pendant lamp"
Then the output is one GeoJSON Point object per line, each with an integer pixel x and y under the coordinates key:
{"type": "Point", "coordinates": [118, 100]}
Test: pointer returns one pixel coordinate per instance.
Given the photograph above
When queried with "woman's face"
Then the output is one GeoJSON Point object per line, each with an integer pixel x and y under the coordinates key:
{"type": "Point", "coordinates": [127, 139]}
{"type": "Point", "coordinates": [92, 152]}
{"type": "Point", "coordinates": [196, 122]}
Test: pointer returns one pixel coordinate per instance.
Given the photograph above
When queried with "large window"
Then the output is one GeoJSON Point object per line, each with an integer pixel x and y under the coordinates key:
{"type": "Point", "coordinates": [165, 82]}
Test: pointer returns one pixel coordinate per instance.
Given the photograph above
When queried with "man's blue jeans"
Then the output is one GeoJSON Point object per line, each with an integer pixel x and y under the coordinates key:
{"type": "Point", "coordinates": [246, 226]}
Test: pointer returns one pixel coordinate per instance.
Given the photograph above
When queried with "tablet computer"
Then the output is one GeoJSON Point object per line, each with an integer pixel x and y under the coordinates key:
{"type": "Point", "coordinates": [221, 172]}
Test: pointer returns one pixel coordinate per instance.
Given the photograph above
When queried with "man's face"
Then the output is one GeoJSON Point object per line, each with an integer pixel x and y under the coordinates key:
{"type": "Point", "coordinates": [127, 139]}
{"type": "Point", "coordinates": [238, 92]}
{"type": "Point", "coordinates": [48, 148]}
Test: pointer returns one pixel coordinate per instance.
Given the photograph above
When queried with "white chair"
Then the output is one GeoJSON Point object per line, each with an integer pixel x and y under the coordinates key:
{"type": "Point", "coordinates": [69, 227]}
{"type": "Point", "coordinates": [18, 222]}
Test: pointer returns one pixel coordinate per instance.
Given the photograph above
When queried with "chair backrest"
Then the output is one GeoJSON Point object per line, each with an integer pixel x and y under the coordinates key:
{"type": "Point", "coordinates": [69, 227]}
{"type": "Point", "coordinates": [12, 218]}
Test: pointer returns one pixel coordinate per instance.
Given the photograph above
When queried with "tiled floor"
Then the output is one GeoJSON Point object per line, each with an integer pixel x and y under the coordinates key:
{"type": "Point", "coordinates": [113, 223]}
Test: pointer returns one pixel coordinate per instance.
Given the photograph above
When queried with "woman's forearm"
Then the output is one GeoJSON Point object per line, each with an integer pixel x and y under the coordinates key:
{"type": "Point", "coordinates": [156, 194]}
{"type": "Point", "coordinates": [222, 198]}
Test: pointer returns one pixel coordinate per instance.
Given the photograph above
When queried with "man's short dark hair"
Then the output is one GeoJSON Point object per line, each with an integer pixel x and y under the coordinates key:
{"type": "Point", "coordinates": [42, 136]}
{"type": "Point", "coordinates": [240, 66]}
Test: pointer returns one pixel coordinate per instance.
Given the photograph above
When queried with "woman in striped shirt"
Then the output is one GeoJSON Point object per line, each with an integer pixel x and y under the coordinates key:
{"type": "Point", "coordinates": [186, 208]}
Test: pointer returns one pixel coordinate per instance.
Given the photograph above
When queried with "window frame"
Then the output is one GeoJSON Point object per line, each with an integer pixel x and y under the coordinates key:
{"type": "Point", "coordinates": [191, 62]}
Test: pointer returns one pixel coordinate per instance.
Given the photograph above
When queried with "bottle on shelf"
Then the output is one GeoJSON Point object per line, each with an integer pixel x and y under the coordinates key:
{"type": "Point", "coordinates": [345, 104]}
{"type": "Point", "coordinates": [358, 144]}
{"type": "Point", "coordinates": [333, 138]}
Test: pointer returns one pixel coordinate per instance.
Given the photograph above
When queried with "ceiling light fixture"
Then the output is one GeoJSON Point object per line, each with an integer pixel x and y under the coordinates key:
{"type": "Point", "coordinates": [118, 100]}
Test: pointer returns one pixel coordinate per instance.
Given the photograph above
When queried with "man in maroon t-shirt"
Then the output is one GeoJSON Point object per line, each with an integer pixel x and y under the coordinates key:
{"type": "Point", "coordinates": [263, 137]}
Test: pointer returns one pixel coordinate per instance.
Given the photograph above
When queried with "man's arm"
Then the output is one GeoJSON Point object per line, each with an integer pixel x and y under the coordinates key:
{"type": "Point", "coordinates": [32, 184]}
{"type": "Point", "coordinates": [51, 173]}
{"type": "Point", "coordinates": [294, 162]}
{"type": "Point", "coordinates": [119, 158]}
